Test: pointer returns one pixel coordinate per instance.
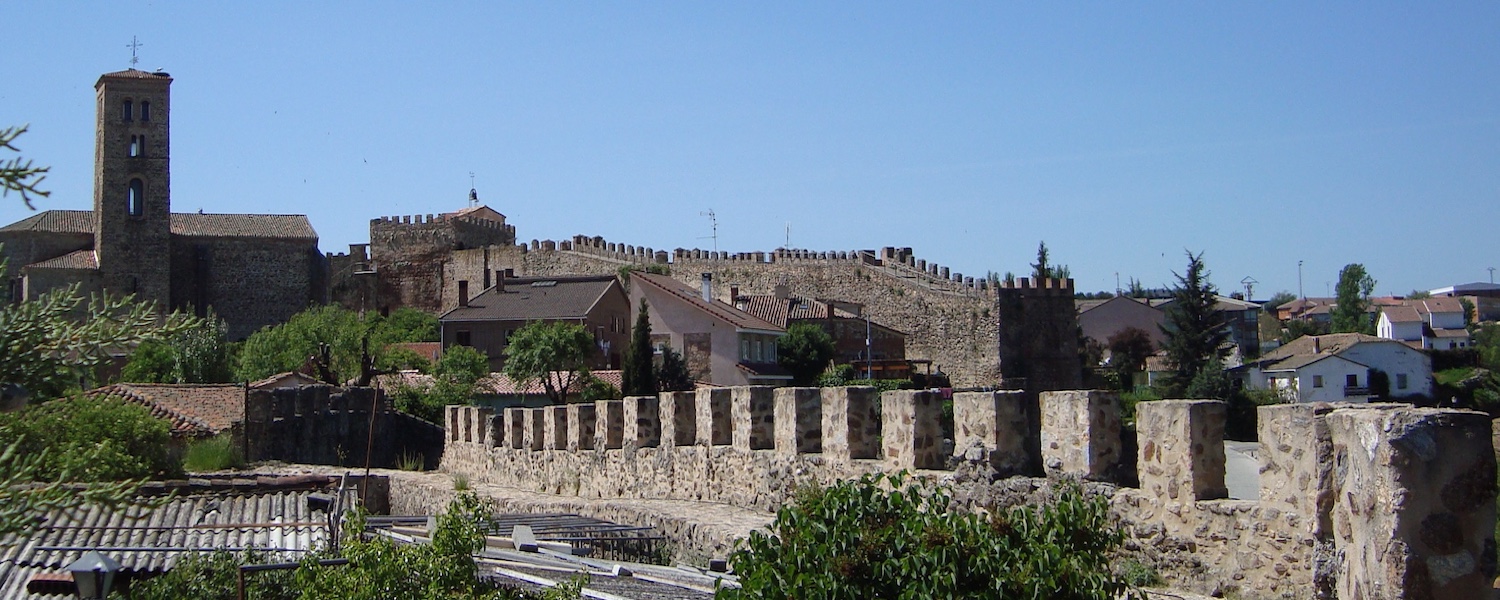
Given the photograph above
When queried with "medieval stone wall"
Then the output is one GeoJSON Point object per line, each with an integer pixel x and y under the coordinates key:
{"type": "Point", "coordinates": [320, 424]}
{"type": "Point", "coordinates": [250, 282]}
{"type": "Point", "coordinates": [1361, 501]}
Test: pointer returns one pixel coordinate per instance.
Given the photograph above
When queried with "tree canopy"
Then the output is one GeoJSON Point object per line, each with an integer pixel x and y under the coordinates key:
{"type": "Point", "coordinates": [555, 354]}
{"type": "Point", "coordinates": [19, 174]}
{"type": "Point", "coordinates": [197, 354]}
{"type": "Point", "coordinates": [343, 345]}
{"type": "Point", "coordinates": [1194, 329]}
{"type": "Point", "coordinates": [639, 376]}
{"type": "Point", "coordinates": [1351, 314]}
{"type": "Point", "coordinates": [805, 351]}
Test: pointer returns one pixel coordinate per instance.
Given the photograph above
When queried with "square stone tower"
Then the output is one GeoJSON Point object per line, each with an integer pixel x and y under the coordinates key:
{"type": "Point", "coordinates": [132, 185]}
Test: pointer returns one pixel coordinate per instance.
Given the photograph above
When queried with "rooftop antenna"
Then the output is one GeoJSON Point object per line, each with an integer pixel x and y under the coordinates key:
{"type": "Point", "coordinates": [1492, 274]}
{"type": "Point", "coordinates": [473, 192]}
{"type": "Point", "coordinates": [133, 45]}
{"type": "Point", "coordinates": [789, 244]}
{"type": "Point", "coordinates": [714, 221]}
{"type": "Point", "coordinates": [1249, 283]}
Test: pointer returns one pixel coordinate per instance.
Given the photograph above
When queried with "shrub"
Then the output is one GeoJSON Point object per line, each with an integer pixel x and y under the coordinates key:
{"type": "Point", "coordinates": [885, 537]}
{"type": "Point", "coordinates": [92, 439]}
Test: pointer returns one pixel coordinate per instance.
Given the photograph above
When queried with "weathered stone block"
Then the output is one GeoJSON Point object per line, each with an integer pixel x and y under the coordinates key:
{"type": "Point", "coordinates": [911, 429]}
{"type": "Point", "coordinates": [609, 426]}
{"type": "Point", "coordinates": [480, 422]}
{"type": "Point", "coordinates": [991, 427]}
{"type": "Point", "coordinates": [679, 418]}
{"type": "Point", "coordinates": [799, 420]}
{"type": "Point", "coordinates": [494, 431]}
{"type": "Point", "coordinates": [713, 406]}
{"type": "Point", "coordinates": [580, 427]}
{"type": "Point", "coordinates": [752, 417]}
{"type": "Point", "coordinates": [1080, 433]}
{"type": "Point", "coordinates": [851, 427]}
{"type": "Point", "coordinates": [1415, 512]}
{"type": "Point", "coordinates": [536, 428]}
{"type": "Point", "coordinates": [1296, 462]}
{"type": "Point", "coordinates": [451, 422]}
{"type": "Point", "coordinates": [1181, 446]}
{"type": "Point", "coordinates": [643, 425]}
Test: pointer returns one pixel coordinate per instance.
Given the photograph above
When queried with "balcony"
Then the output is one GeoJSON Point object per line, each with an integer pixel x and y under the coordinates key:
{"type": "Point", "coordinates": [1354, 391]}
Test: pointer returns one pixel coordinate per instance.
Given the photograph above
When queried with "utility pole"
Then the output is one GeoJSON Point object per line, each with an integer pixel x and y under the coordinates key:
{"type": "Point", "coordinates": [1299, 281]}
{"type": "Point", "coordinates": [1249, 283]}
{"type": "Point", "coordinates": [1492, 274]}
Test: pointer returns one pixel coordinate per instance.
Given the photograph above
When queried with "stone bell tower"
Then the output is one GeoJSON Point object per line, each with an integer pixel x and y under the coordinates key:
{"type": "Point", "coordinates": [132, 185]}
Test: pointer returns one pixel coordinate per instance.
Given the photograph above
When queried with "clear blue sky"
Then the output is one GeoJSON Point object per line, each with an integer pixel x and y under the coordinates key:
{"type": "Point", "coordinates": [1120, 133]}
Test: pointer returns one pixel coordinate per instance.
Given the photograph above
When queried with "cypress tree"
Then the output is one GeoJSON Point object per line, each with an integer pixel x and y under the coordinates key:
{"type": "Point", "coordinates": [1195, 331]}
{"type": "Point", "coordinates": [639, 378]}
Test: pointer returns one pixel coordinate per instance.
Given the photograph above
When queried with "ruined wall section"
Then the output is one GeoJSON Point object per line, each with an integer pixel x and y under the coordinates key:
{"type": "Point", "coordinates": [410, 252]}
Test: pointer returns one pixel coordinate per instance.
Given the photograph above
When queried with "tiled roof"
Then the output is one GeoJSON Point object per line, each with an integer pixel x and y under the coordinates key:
{"type": "Point", "coordinates": [1439, 305]}
{"type": "Point", "coordinates": [263, 512]}
{"type": "Point", "coordinates": [431, 351]}
{"type": "Point", "coordinates": [1401, 314]}
{"type": "Point", "coordinates": [136, 74]}
{"type": "Point", "coordinates": [536, 298]}
{"type": "Point", "coordinates": [287, 379]}
{"type": "Point", "coordinates": [781, 311]}
{"type": "Point", "coordinates": [724, 312]}
{"type": "Point", "coordinates": [1332, 343]}
{"type": "Point", "coordinates": [1450, 333]}
{"type": "Point", "coordinates": [475, 211]}
{"type": "Point", "coordinates": [193, 409]}
{"type": "Point", "coordinates": [184, 224]}
{"type": "Point", "coordinates": [56, 221]}
{"type": "Point", "coordinates": [1296, 362]}
{"type": "Point", "coordinates": [260, 226]}
{"type": "Point", "coordinates": [80, 259]}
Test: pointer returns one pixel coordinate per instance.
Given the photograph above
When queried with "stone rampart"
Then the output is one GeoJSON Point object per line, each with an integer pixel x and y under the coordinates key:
{"type": "Point", "coordinates": [1360, 501]}
{"type": "Point", "coordinates": [325, 425]}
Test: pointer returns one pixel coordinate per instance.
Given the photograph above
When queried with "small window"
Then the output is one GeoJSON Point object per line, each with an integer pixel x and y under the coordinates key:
{"type": "Point", "coordinates": [125, 110]}
{"type": "Point", "coordinates": [135, 200]}
{"type": "Point", "coordinates": [1317, 381]}
{"type": "Point", "coordinates": [1351, 381]}
{"type": "Point", "coordinates": [1401, 381]}
{"type": "Point", "coordinates": [145, 112]}
{"type": "Point", "coordinates": [137, 146]}
{"type": "Point", "coordinates": [463, 339]}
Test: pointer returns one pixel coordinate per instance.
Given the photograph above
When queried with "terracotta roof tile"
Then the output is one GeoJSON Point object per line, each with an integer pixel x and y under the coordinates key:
{"type": "Point", "coordinates": [718, 310]}
{"type": "Point", "coordinates": [136, 74]}
{"type": "Point", "coordinates": [193, 409]}
{"type": "Point", "coordinates": [56, 221]}
{"type": "Point", "coordinates": [1401, 314]}
{"type": "Point", "coordinates": [261, 226]}
{"type": "Point", "coordinates": [81, 259]}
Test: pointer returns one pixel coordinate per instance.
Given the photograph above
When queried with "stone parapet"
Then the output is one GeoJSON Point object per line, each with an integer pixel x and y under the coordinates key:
{"type": "Point", "coordinates": [581, 426]}
{"type": "Point", "coordinates": [609, 426]}
{"type": "Point", "coordinates": [713, 408]}
{"type": "Point", "coordinates": [642, 422]}
{"type": "Point", "coordinates": [1181, 446]}
{"type": "Point", "coordinates": [798, 420]}
{"type": "Point", "coordinates": [678, 413]}
{"type": "Point", "coordinates": [912, 433]}
{"type": "Point", "coordinates": [1081, 434]}
{"type": "Point", "coordinates": [851, 423]}
{"type": "Point", "coordinates": [990, 427]}
{"type": "Point", "coordinates": [752, 411]}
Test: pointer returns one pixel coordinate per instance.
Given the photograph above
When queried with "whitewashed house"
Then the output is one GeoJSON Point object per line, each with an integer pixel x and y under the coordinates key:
{"type": "Point", "coordinates": [1339, 368]}
{"type": "Point", "coordinates": [1428, 323]}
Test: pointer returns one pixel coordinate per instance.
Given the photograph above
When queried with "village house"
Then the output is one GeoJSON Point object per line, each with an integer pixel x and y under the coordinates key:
{"type": "Point", "coordinates": [1341, 367]}
{"type": "Point", "coordinates": [845, 322]}
{"type": "Point", "coordinates": [486, 321]}
{"type": "Point", "coordinates": [1435, 323]}
{"type": "Point", "coordinates": [720, 344]}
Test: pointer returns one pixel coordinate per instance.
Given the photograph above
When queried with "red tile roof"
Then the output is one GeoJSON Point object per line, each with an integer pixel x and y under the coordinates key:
{"type": "Point", "coordinates": [81, 259]}
{"type": "Point", "coordinates": [192, 409]}
{"type": "Point", "coordinates": [184, 224]}
{"type": "Point", "coordinates": [1401, 314]}
{"type": "Point", "coordinates": [56, 221]}
{"type": "Point", "coordinates": [719, 310]}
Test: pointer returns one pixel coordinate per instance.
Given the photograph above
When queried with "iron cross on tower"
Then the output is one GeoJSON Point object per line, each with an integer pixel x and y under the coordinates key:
{"type": "Point", "coordinates": [133, 46]}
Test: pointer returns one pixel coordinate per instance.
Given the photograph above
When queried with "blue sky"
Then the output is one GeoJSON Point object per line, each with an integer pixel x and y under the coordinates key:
{"type": "Point", "coordinates": [1122, 134]}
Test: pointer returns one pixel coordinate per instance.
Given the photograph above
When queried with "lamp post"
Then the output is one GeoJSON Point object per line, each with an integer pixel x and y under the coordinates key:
{"type": "Point", "coordinates": [94, 574]}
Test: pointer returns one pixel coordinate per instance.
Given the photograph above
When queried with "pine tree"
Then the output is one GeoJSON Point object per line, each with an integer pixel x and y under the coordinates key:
{"type": "Point", "coordinates": [1195, 331]}
{"type": "Point", "coordinates": [639, 378]}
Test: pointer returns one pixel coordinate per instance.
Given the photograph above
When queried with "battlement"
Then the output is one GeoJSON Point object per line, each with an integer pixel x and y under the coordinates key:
{"type": "Point", "coordinates": [752, 446]}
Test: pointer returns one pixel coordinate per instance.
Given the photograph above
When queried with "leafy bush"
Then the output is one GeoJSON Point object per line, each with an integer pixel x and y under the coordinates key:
{"type": "Point", "coordinates": [885, 537]}
{"type": "Point", "coordinates": [213, 576]}
{"type": "Point", "coordinates": [92, 439]}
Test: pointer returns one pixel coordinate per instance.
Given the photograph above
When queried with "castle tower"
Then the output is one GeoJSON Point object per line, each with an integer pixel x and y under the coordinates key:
{"type": "Point", "coordinates": [132, 185]}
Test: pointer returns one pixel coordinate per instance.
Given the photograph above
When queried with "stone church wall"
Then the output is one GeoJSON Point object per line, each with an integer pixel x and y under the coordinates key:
{"type": "Point", "coordinates": [250, 282]}
{"type": "Point", "coordinates": [1354, 501]}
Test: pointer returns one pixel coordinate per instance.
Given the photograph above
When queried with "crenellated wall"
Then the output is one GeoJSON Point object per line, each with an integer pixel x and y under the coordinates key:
{"type": "Point", "coordinates": [1369, 501]}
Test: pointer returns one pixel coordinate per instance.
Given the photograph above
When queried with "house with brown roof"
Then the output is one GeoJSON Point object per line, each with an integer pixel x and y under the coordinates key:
{"type": "Point", "coordinates": [486, 321]}
{"type": "Point", "coordinates": [842, 321]}
{"type": "Point", "coordinates": [252, 270]}
{"type": "Point", "coordinates": [1428, 323]}
{"type": "Point", "coordinates": [1341, 367]}
{"type": "Point", "coordinates": [1100, 320]}
{"type": "Point", "coordinates": [192, 410]}
{"type": "Point", "coordinates": [721, 344]}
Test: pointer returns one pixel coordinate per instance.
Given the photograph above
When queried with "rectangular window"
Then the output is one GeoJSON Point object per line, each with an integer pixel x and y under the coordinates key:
{"type": "Point", "coordinates": [744, 349]}
{"type": "Point", "coordinates": [463, 339]}
{"type": "Point", "coordinates": [1351, 381]}
{"type": "Point", "coordinates": [1401, 381]}
{"type": "Point", "coordinates": [1317, 381]}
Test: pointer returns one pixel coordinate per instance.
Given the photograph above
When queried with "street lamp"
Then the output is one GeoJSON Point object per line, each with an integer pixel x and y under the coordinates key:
{"type": "Point", "coordinates": [94, 573]}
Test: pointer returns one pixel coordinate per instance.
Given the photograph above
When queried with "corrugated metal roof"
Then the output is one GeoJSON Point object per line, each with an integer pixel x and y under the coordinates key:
{"type": "Point", "coordinates": [268, 513]}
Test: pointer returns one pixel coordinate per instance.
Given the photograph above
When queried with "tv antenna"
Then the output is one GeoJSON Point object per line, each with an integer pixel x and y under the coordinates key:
{"type": "Point", "coordinates": [133, 45]}
{"type": "Point", "coordinates": [1249, 283]}
{"type": "Point", "coordinates": [473, 192]}
{"type": "Point", "coordinates": [714, 222]}
{"type": "Point", "coordinates": [789, 243]}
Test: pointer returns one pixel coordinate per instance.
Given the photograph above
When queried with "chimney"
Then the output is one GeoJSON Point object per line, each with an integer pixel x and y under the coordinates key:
{"type": "Point", "coordinates": [463, 293]}
{"type": "Point", "coordinates": [500, 280]}
{"type": "Point", "coordinates": [708, 287]}
{"type": "Point", "coordinates": [734, 294]}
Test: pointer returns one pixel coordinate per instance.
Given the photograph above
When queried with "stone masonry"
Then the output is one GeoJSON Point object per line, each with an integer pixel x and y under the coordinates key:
{"type": "Point", "coordinates": [1381, 501]}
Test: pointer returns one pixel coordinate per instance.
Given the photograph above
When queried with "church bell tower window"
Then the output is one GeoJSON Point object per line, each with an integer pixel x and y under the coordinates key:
{"type": "Point", "coordinates": [125, 110]}
{"type": "Point", "coordinates": [145, 111]}
{"type": "Point", "coordinates": [136, 198]}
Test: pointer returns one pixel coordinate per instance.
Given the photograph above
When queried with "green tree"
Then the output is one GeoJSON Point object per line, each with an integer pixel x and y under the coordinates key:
{"type": "Point", "coordinates": [1128, 350]}
{"type": "Point", "coordinates": [1469, 313]}
{"type": "Point", "coordinates": [404, 325]}
{"type": "Point", "coordinates": [1419, 295]}
{"type": "Point", "coordinates": [1195, 331]}
{"type": "Point", "coordinates": [884, 536]}
{"type": "Point", "coordinates": [805, 351]}
{"type": "Point", "coordinates": [463, 364]}
{"type": "Point", "coordinates": [1277, 299]}
{"type": "Point", "coordinates": [1041, 269]}
{"type": "Point", "coordinates": [674, 375]}
{"type": "Point", "coordinates": [197, 354]}
{"type": "Point", "coordinates": [555, 354]}
{"type": "Point", "coordinates": [639, 376]}
{"type": "Point", "coordinates": [333, 338]}
{"type": "Point", "coordinates": [18, 174]}
{"type": "Point", "coordinates": [1352, 313]}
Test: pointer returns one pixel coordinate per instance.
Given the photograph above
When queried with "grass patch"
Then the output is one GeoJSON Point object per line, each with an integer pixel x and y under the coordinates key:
{"type": "Point", "coordinates": [212, 454]}
{"type": "Point", "coordinates": [460, 482]}
{"type": "Point", "coordinates": [1452, 376]}
{"type": "Point", "coordinates": [411, 462]}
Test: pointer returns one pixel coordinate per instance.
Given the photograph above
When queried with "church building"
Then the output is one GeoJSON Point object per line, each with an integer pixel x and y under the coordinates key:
{"type": "Point", "coordinates": [251, 270]}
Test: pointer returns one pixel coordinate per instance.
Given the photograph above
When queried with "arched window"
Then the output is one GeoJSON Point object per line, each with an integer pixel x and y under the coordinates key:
{"type": "Point", "coordinates": [145, 111]}
{"type": "Point", "coordinates": [125, 111]}
{"type": "Point", "coordinates": [137, 198]}
{"type": "Point", "coordinates": [135, 146]}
